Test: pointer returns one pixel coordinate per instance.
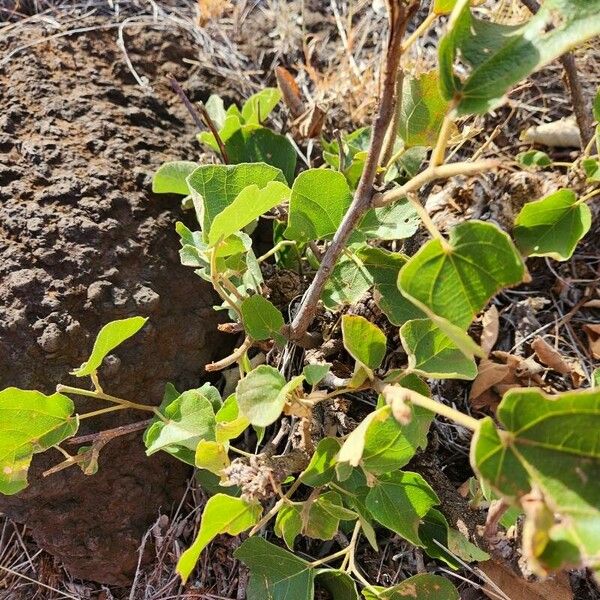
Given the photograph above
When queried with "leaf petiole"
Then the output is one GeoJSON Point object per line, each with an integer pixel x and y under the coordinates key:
{"type": "Point", "coordinates": [67, 389]}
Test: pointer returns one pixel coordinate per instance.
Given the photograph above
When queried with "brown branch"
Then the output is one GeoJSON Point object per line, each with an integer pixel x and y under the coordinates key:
{"type": "Point", "coordinates": [399, 16]}
{"type": "Point", "coordinates": [199, 121]}
{"type": "Point", "coordinates": [580, 106]}
{"type": "Point", "coordinates": [110, 434]}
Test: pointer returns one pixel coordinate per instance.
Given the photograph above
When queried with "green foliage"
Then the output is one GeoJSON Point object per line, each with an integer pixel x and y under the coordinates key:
{"type": "Point", "coordinates": [552, 226]}
{"type": "Point", "coordinates": [111, 335]}
{"type": "Point", "coordinates": [419, 587]}
{"type": "Point", "coordinates": [456, 280]}
{"type": "Point", "coordinates": [259, 106]}
{"type": "Point", "coordinates": [30, 422]}
{"type": "Point", "coordinates": [422, 111]}
{"type": "Point", "coordinates": [261, 319]}
{"type": "Point", "coordinates": [222, 514]}
{"type": "Point", "coordinates": [538, 453]}
{"type": "Point", "coordinates": [499, 56]}
{"type": "Point", "coordinates": [534, 158]}
{"type": "Point", "coordinates": [364, 341]}
{"type": "Point", "coordinates": [591, 166]}
{"type": "Point", "coordinates": [171, 177]}
{"type": "Point", "coordinates": [314, 373]}
{"type": "Point", "coordinates": [432, 353]}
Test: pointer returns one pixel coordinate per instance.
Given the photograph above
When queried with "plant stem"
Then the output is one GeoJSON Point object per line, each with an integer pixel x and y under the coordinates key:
{"type": "Point", "coordinates": [419, 31]}
{"type": "Point", "coordinates": [399, 17]}
{"type": "Point", "coordinates": [434, 232]}
{"type": "Point", "coordinates": [109, 434]}
{"type": "Point", "coordinates": [439, 152]}
{"type": "Point", "coordinates": [276, 507]}
{"type": "Point", "coordinates": [431, 174]}
{"type": "Point", "coordinates": [326, 559]}
{"type": "Point", "coordinates": [232, 358]}
{"type": "Point", "coordinates": [95, 413]}
{"type": "Point", "coordinates": [351, 555]}
{"type": "Point", "coordinates": [66, 389]}
{"type": "Point", "coordinates": [276, 248]}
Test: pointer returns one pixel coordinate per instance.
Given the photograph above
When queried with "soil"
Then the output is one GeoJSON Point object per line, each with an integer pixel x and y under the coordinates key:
{"type": "Point", "coordinates": [82, 242]}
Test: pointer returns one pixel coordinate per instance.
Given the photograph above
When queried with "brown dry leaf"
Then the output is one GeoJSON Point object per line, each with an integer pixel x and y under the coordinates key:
{"type": "Point", "coordinates": [491, 327]}
{"type": "Point", "coordinates": [558, 134]}
{"type": "Point", "coordinates": [209, 10]}
{"type": "Point", "coordinates": [490, 373]}
{"type": "Point", "coordinates": [292, 96]}
{"type": "Point", "coordinates": [592, 304]}
{"type": "Point", "coordinates": [556, 587]}
{"type": "Point", "coordinates": [549, 356]}
{"type": "Point", "coordinates": [310, 123]}
{"type": "Point", "coordinates": [592, 330]}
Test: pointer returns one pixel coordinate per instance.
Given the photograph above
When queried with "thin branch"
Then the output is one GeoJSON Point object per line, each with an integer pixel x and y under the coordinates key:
{"type": "Point", "coordinates": [232, 358]}
{"type": "Point", "coordinates": [399, 16]}
{"type": "Point", "coordinates": [110, 434]}
{"type": "Point", "coordinates": [199, 121]}
{"type": "Point", "coordinates": [431, 174]}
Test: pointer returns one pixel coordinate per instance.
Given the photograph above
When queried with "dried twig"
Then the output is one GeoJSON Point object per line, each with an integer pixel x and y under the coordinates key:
{"type": "Point", "coordinates": [399, 16]}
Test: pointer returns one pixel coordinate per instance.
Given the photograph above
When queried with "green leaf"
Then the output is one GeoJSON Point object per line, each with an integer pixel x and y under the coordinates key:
{"type": "Point", "coordinates": [321, 468]}
{"type": "Point", "coordinates": [549, 444]}
{"type": "Point", "coordinates": [322, 519]}
{"type": "Point", "coordinates": [384, 267]}
{"type": "Point", "coordinates": [216, 110]}
{"type": "Point", "coordinates": [443, 7]}
{"type": "Point", "coordinates": [596, 106]}
{"type": "Point", "coordinates": [399, 501]}
{"type": "Point", "coordinates": [348, 282]}
{"type": "Point", "coordinates": [422, 110]}
{"type": "Point", "coordinates": [230, 424]}
{"type": "Point", "coordinates": [394, 222]}
{"type": "Point", "coordinates": [432, 353]}
{"type": "Point", "coordinates": [255, 144]}
{"type": "Point", "coordinates": [171, 177]}
{"type": "Point", "coordinates": [30, 422]}
{"type": "Point", "coordinates": [315, 373]}
{"type": "Point", "coordinates": [364, 341]}
{"type": "Point", "coordinates": [418, 587]}
{"type": "Point", "coordinates": [352, 450]}
{"type": "Point", "coordinates": [456, 281]}
{"type": "Point", "coordinates": [222, 514]}
{"type": "Point", "coordinates": [259, 106]}
{"type": "Point", "coordinates": [215, 187]}
{"type": "Point", "coordinates": [261, 395]}
{"type": "Point", "coordinates": [288, 523]}
{"type": "Point", "coordinates": [212, 456]}
{"type": "Point", "coordinates": [500, 56]}
{"type": "Point", "coordinates": [110, 336]}
{"type": "Point", "coordinates": [188, 419]}
{"type": "Point", "coordinates": [319, 200]}
{"type": "Point", "coordinates": [390, 445]}
{"type": "Point", "coordinates": [534, 158]}
{"type": "Point", "coordinates": [249, 204]}
{"type": "Point", "coordinates": [262, 320]}
{"type": "Point", "coordinates": [275, 573]}
{"type": "Point", "coordinates": [591, 166]}
{"type": "Point", "coordinates": [338, 583]}
{"type": "Point", "coordinates": [552, 226]}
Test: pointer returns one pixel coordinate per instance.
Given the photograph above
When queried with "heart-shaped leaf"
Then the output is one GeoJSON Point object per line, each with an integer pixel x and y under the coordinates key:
{"type": "Point", "coordinates": [432, 353]}
{"type": "Point", "coordinates": [222, 514]}
{"type": "Point", "coordinates": [552, 226]}
{"type": "Point", "coordinates": [365, 342]}
{"type": "Point", "coordinates": [110, 336]}
{"type": "Point", "coordinates": [262, 320]}
{"type": "Point", "coordinates": [455, 280]}
{"type": "Point", "coordinates": [548, 457]}
{"type": "Point", "coordinates": [30, 422]}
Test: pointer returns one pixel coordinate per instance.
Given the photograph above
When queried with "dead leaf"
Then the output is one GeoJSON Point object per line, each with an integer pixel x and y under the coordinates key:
{"type": "Point", "coordinates": [515, 587]}
{"type": "Point", "coordinates": [310, 123]}
{"type": "Point", "coordinates": [592, 304]}
{"type": "Point", "coordinates": [491, 327]}
{"type": "Point", "coordinates": [558, 134]}
{"type": "Point", "coordinates": [292, 96]}
{"type": "Point", "coordinates": [490, 373]}
{"type": "Point", "coordinates": [549, 356]}
{"type": "Point", "coordinates": [592, 331]}
{"type": "Point", "coordinates": [209, 10]}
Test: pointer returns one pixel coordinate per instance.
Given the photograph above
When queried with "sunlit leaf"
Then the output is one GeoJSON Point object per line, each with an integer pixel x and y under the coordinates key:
{"type": "Point", "coordinates": [314, 373]}
{"type": "Point", "coordinates": [222, 514]}
{"type": "Point", "coordinates": [354, 445]}
{"type": "Point", "coordinates": [248, 205]}
{"type": "Point", "coordinates": [365, 342]}
{"type": "Point", "coordinates": [591, 166]}
{"type": "Point", "coordinates": [30, 422]}
{"type": "Point", "coordinates": [432, 353]}
{"type": "Point", "coordinates": [215, 187]}
{"type": "Point", "coordinates": [321, 468]}
{"type": "Point", "coordinates": [259, 106]}
{"type": "Point", "coordinates": [288, 523]}
{"type": "Point", "coordinates": [419, 587]}
{"type": "Point", "coordinates": [534, 158]}
{"type": "Point", "coordinates": [262, 320]}
{"type": "Point", "coordinates": [547, 456]}
{"type": "Point", "coordinates": [500, 56]}
{"type": "Point", "coordinates": [422, 110]}
{"type": "Point", "coordinates": [399, 501]}
{"type": "Point", "coordinates": [319, 200]}
{"type": "Point", "coordinates": [171, 177]}
{"type": "Point", "coordinates": [552, 226]}
{"type": "Point", "coordinates": [456, 280]}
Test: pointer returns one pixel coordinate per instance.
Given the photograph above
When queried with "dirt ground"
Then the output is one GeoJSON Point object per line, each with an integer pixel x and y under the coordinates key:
{"type": "Point", "coordinates": [84, 123]}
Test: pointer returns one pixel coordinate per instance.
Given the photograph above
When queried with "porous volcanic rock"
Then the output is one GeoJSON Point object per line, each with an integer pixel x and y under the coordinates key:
{"type": "Point", "coordinates": [82, 242]}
